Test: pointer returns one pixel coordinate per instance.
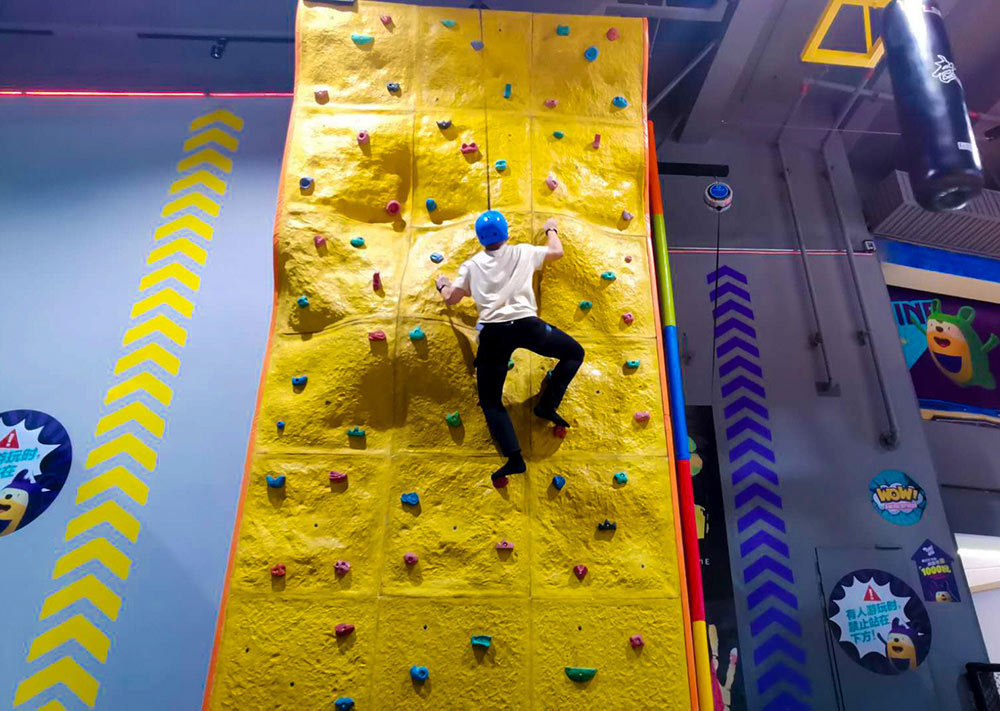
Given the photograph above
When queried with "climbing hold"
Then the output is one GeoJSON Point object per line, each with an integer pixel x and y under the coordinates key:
{"type": "Point", "coordinates": [500, 165]}
{"type": "Point", "coordinates": [358, 242]}
{"type": "Point", "coordinates": [410, 558]}
{"type": "Point", "coordinates": [481, 640]}
{"type": "Point", "coordinates": [386, 19]}
{"type": "Point", "coordinates": [355, 432]}
{"type": "Point", "coordinates": [510, 364]}
{"type": "Point", "coordinates": [431, 205]}
{"type": "Point", "coordinates": [506, 91]}
{"type": "Point", "coordinates": [437, 257]}
{"type": "Point", "coordinates": [341, 567]}
{"type": "Point", "coordinates": [633, 363]}
{"type": "Point", "coordinates": [551, 182]}
{"type": "Point", "coordinates": [628, 257]}
{"type": "Point", "coordinates": [580, 673]}
{"type": "Point", "coordinates": [299, 380]}
{"type": "Point", "coordinates": [590, 54]}
{"type": "Point", "coordinates": [562, 30]}
{"type": "Point", "coordinates": [444, 125]}
{"type": "Point", "coordinates": [558, 134]}
{"type": "Point", "coordinates": [586, 305]}
{"type": "Point", "coordinates": [628, 318]}
{"type": "Point", "coordinates": [343, 629]}
{"type": "Point", "coordinates": [376, 335]}
{"type": "Point", "coordinates": [621, 478]}
{"type": "Point", "coordinates": [551, 103]}
{"type": "Point", "coordinates": [607, 525]}
{"type": "Point", "coordinates": [558, 482]}
{"type": "Point", "coordinates": [337, 477]}
{"type": "Point", "coordinates": [392, 87]}
{"type": "Point", "coordinates": [278, 571]}
{"type": "Point", "coordinates": [608, 276]}
{"type": "Point", "coordinates": [627, 216]}
{"type": "Point", "coordinates": [505, 545]}
{"type": "Point", "coordinates": [454, 419]}
{"type": "Point", "coordinates": [612, 34]}
{"type": "Point", "coordinates": [548, 375]}
{"type": "Point", "coordinates": [362, 39]}
{"type": "Point", "coordinates": [302, 301]}
{"type": "Point", "coordinates": [363, 137]}
{"type": "Point", "coordinates": [636, 641]}
{"type": "Point", "coordinates": [468, 148]}
{"type": "Point", "coordinates": [376, 282]}
{"type": "Point", "coordinates": [476, 45]}
{"type": "Point", "coordinates": [275, 482]}
{"type": "Point", "coordinates": [281, 424]}
{"type": "Point", "coordinates": [419, 674]}
{"type": "Point", "coordinates": [597, 141]}
{"type": "Point", "coordinates": [321, 96]}
{"type": "Point", "coordinates": [580, 571]}
{"type": "Point", "coordinates": [392, 207]}
{"type": "Point", "coordinates": [559, 431]}
{"type": "Point", "coordinates": [305, 182]}
{"type": "Point", "coordinates": [620, 101]}
{"type": "Point", "coordinates": [448, 23]}
{"type": "Point", "coordinates": [410, 498]}
{"type": "Point", "coordinates": [319, 240]}
{"type": "Point", "coordinates": [344, 703]}
{"type": "Point", "coordinates": [642, 416]}
{"type": "Point", "coordinates": [500, 482]}
{"type": "Point", "coordinates": [417, 334]}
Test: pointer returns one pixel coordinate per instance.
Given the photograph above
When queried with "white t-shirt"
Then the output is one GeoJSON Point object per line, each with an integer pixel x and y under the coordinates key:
{"type": "Point", "coordinates": [500, 281]}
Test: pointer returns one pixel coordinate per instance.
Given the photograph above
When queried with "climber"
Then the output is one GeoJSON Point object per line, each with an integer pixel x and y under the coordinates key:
{"type": "Point", "coordinates": [499, 279]}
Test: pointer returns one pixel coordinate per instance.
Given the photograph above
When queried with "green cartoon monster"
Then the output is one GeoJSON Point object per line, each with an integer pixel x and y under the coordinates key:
{"type": "Point", "coordinates": [956, 348]}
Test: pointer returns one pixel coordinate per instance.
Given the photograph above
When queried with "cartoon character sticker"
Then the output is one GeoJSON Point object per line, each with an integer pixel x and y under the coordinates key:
{"type": "Point", "coordinates": [897, 498]}
{"type": "Point", "coordinates": [937, 576]}
{"type": "Point", "coordinates": [956, 348]}
{"type": "Point", "coordinates": [879, 621]}
{"type": "Point", "coordinates": [35, 457]}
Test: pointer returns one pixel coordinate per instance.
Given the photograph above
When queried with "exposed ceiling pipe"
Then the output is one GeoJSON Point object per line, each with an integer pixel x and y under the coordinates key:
{"type": "Point", "coordinates": [681, 74]}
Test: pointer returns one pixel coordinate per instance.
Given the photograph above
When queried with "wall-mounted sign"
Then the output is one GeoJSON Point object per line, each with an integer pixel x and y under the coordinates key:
{"type": "Point", "coordinates": [35, 456]}
{"type": "Point", "coordinates": [937, 577]}
{"type": "Point", "coordinates": [879, 621]}
{"type": "Point", "coordinates": [897, 498]}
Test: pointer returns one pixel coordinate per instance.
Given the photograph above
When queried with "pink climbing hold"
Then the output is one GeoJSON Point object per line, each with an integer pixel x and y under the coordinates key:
{"type": "Point", "coordinates": [319, 240]}
{"type": "Point", "coordinates": [392, 207]}
{"type": "Point", "coordinates": [612, 34]}
{"type": "Point", "coordinates": [468, 148]}
{"type": "Point", "coordinates": [386, 19]}
{"type": "Point", "coordinates": [410, 558]}
{"type": "Point", "coordinates": [580, 571]}
{"type": "Point", "coordinates": [505, 545]}
{"type": "Point", "coordinates": [551, 103]}
{"type": "Point", "coordinates": [338, 476]}
{"type": "Point", "coordinates": [343, 629]}
{"type": "Point", "coordinates": [500, 482]}
{"type": "Point", "coordinates": [376, 335]}
{"type": "Point", "coordinates": [559, 431]}
{"type": "Point", "coordinates": [628, 318]}
{"type": "Point", "coordinates": [363, 137]}
{"type": "Point", "coordinates": [341, 567]}
{"type": "Point", "coordinates": [278, 571]}
{"type": "Point", "coordinates": [597, 140]}
{"type": "Point", "coordinates": [376, 282]}
{"type": "Point", "coordinates": [636, 641]}
{"type": "Point", "coordinates": [628, 258]}
{"type": "Point", "coordinates": [627, 216]}
{"type": "Point", "coordinates": [642, 416]}
{"type": "Point", "coordinates": [551, 182]}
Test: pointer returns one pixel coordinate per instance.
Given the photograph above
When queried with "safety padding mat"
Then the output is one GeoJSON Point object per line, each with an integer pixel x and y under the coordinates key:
{"type": "Point", "coordinates": [374, 562]}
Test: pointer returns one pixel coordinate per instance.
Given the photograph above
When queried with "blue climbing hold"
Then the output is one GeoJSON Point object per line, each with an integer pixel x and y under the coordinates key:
{"type": "Point", "coordinates": [591, 54]}
{"type": "Point", "coordinates": [558, 482]}
{"type": "Point", "coordinates": [444, 125]}
{"type": "Point", "coordinates": [481, 640]}
{"type": "Point", "coordinates": [562, 30]}
{"type": "Point", "coordinates": [558, 134]}
{"type": "Point", "coordinates": [634, 363]}
{"type": "Point", "coordinates": [281, 424]}
{"type": "Point", "coordinates": [358, 242]}
{"type": "Point", "coordinates": [506, 91]}
{"type": "Point", "coordinates": [392, 86]}
{"type": "Point", "coordinates": [621, 478]}
{"type": "Point", "coordinates": [299, 380]}
{"type": "Point", "coordinates": [608, 276]}
{"type": "Point", "coordinates": [362, 39]}
{"type": "Point", "coordinates": [448, 23]}
{"type": "Point", "coordinates": [355, 432]}
{"type": "Point", "coordinates": [476, 45]}
{"type": "Point", "coordinates": [411, 498]}
{"type": "Point", "coordinates": [500, 165]}
{"type": "Point", "coordinates": [607, 525]}
{"type": "Point", "coordinates": [275, 482]}
{"type": "Point", "coordinates": [431, 205]}
{"type": "Point", "coordinates": [620, 101]}
{"type": "Point", "coordinates": [305, 182]}
{"type": "Point", "coordinates": [419, 674]}
{"type": "Point", "coordinates": [437, 257]}
{"type": "Point", "coordinates": [586, 305]}
{"type": "Point", "coordinates": [344, 703]}
{"type": "Point", "coordinates": [417, 334]}
{"type": "Point", "coordinates": [548, 375]}
{"type": "Point", "coordinates": [302, 301]}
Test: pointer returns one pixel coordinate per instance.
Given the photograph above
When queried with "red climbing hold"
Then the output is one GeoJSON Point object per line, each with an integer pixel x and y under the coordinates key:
{"type": "Point", "coordinates": [386, 19]}
{"type": "Point", "coordinates": [559, 431]}
{"type": "Point", "coordinates": [343, 629]}
{"type": "Point", "coordinates": [597, 140]}
{"type": "Point", "coordinates": [392, 207]}
{"type": "Point", "coordinates": [468, 148]}
{"type": "Point", "coordinates": [322, 96]}
{"type": "Point", "coordinates": [376, 282]}
{"type": "Point", "coordinates": [319, 241]}
{"type": "Point", "coordinates": [278, 571]}
{"type": "Point", "coordinates": [376, 335]}
{"type": "Point", "coordinates": [500, 482]}
{"type": "Point", "coordinates": [612, 34]}
{"type": "Point", "coordinates": [628, 318]}
{"type": "Point", "coordinates": [410, 558]}
{"type": "Point", "coordinates": [642, 416]}
{"type": "Point", "coordinates": [338, 476]}
{"type": "Point", "coordinates": [636, 641]}
{"type": "Point", "coordinates": [628, 258]}
{"type": "Point", "coordinates": [551, 103]}
{"type": "Point", "coordinates": [580, 571]}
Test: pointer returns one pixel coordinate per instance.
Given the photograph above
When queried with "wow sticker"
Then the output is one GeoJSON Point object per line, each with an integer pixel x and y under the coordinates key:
{"type": "Point", "coordinates": [35, 456]}
{"type": "Point", "coordinates": [897, 498]}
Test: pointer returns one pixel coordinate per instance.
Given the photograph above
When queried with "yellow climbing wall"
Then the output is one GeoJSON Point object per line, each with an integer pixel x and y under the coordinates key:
{"type": "Point", "coordinates": [278, 648]}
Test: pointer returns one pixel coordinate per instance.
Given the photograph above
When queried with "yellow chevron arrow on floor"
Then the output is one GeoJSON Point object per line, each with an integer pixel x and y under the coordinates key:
{"type": "Point", "coordinates": [221, 116]}
{"type": "Point", "coordinates": [143, 381]}
{"type": "Point", "coordinates": [206, 155]}
{"type": "Point", "coordinates": [193, 199]}
{"type": "Point", "coordinates": [201, 177]}
{"type": "Point", "coordinates": [65, 671]}
{"type": "Point", "coordinates": [133, 412]}
{"type": "Point", "coordinates": [98, 549]}
{"type": "Point", "coordinates": [151, 351]}
{"type": "Point", "coordinates": [54, 705]}
{"type": "Point", "coordinates": [184, 222]}
{"type": "Point", "coordinates": [181, 245]}
{"type": "Point", "coordinates": [212, 135]}
{"type": "Point", "coordinates": [128, 444]}
{"type": "Point", "coordinates": [174, 270]}
{"type": "Point", "coordinates": [87, 588]}
{"type": "Point", "coordinates": [118, 477]}
{"type": "Point", "coordinates": [108, 512]}
{"type": "Point", "coordinates": [157, 324]}
{"type": "Point", "coordinates": [77, 627]}
{"type": "Point", "coordinates": [164, 297]}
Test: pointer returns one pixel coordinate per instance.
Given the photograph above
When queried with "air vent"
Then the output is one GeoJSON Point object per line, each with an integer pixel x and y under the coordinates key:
{"type": "Point", "coordinates": [892, 211]}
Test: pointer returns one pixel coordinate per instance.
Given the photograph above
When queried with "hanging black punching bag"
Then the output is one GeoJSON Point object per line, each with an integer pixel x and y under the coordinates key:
{"type": "Point", "coordinates": [945, 171]}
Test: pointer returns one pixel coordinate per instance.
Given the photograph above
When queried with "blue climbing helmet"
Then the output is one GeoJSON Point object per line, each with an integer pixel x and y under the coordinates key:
{"type": "Point", "coordinates": [491, 227]}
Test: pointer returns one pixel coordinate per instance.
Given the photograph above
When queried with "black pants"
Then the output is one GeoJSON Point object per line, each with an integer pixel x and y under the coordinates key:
{"type": "Point", "coordinates": [497, 342]}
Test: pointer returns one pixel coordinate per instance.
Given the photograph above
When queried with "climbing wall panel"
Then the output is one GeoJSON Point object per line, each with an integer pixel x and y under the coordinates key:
{"type": "Point", "coordinates": [355, 470]}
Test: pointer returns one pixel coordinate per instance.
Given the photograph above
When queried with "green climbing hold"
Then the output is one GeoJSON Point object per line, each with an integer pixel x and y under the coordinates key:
{"type": "Point", "coordinates": [586, 305]}
{"type": "Point", "coordinates": [510, 364]}
{"type": "Point", "coordinates": [558, 134]}
{"type": "Point", "coordinates": [448, 23]}
{"type": "Point", "coordinates": [358, 242]}
{"type": "Point", "coordinates": [548, 375]}
{"type": "Point", "coordinates": [454, 419]}
{"type": "Point", "coordinates": [481, 640]}
{"type": "Point", "coordinates": [418, 334]}
{"type": "Point", "coordinates": [362, 39]}
{"type": "Point", "coordinates": [608, 276]}
{"type": "Point", "coordinates": [632, 363]}
{"type": "Point", "coordinates": [355, 432]}
{"type": "Point", "coordinates": [621, 478]}
{"type": "Point", "coordinates": [580, 673]}
{"type": "Point", "coordinates": [562, 30]}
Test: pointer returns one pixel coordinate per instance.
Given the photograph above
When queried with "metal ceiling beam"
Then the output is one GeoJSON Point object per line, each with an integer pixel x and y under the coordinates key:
{"type": "Point", "coordinates": [715, 13]}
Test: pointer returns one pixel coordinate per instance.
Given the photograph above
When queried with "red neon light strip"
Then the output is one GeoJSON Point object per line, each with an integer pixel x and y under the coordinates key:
{"type": "Point", "coordinates": [147, 94]}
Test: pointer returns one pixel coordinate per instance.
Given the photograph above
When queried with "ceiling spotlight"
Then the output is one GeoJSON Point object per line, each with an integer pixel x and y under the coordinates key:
{"type": "Point", "coordinates": [219, 48]}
